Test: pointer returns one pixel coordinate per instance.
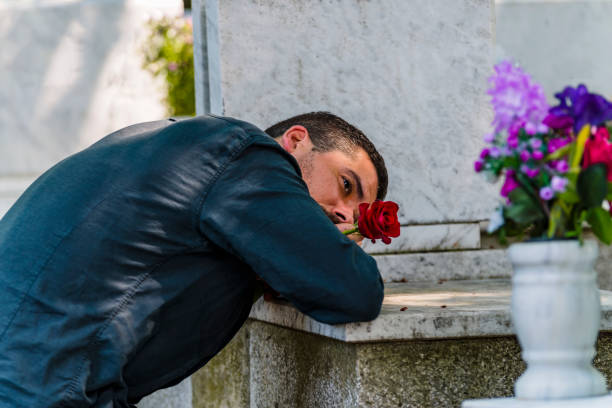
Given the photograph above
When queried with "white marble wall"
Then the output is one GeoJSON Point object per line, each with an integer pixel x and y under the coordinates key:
{"type": "Point", "coordinates": [70, 73]}
{"type": "Point", "coordinates": [559, 42]}
{"type": "Point", "coordinates": [410, 73]}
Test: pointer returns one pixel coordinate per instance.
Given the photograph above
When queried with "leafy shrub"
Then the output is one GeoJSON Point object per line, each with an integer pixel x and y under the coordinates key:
{"type": "Point", "coordinates": [168, 52]}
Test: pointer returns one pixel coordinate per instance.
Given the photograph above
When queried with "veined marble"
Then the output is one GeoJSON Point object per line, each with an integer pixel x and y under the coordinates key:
{"type": "Point", "coordinates": [422, 238]}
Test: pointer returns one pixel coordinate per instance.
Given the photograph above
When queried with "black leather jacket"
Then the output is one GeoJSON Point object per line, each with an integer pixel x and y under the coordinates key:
{"type": "Point", "coordinates": [127, 266]}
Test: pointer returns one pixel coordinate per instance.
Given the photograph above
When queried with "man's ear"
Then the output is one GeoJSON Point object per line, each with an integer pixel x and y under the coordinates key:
{"type": "Point", "coordinates": [296, 139]}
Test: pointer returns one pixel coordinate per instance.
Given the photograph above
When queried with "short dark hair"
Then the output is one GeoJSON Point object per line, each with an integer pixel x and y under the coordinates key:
{"type": "Point", "coordinates": [329, 132]}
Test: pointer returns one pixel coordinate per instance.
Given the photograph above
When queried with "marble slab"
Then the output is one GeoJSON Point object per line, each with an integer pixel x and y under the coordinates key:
{"type": "Point", "coordinates": [423, 238]}
{"type": "Point", "coordinates": [594, 402]}
{"type": "Point", "coordinates": [411, 74]}
{"type": "Point", "coordinates": [421, 310]}
{"type": "Point", "coordinates": [434, 266]}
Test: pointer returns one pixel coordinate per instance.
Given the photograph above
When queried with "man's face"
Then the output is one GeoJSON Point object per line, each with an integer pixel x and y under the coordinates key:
{"type": "Point", "coordinates": [338, 181]}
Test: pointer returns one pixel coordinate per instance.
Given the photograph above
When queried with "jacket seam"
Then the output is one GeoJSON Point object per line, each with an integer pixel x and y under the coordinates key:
{"type": "Point", "coordinates": [119, 308]}
{"type": "Point", "coordinates": [42, 268]}
{"type": "Point", "coordinates": [239, 149]}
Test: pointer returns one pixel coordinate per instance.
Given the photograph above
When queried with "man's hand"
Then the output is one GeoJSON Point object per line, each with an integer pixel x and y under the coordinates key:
{"type": "Point", "coordinates": [356, 237]}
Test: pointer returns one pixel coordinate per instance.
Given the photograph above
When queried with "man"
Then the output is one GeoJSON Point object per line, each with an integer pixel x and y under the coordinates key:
{"type": "Point", "coordinates": [127, 266]}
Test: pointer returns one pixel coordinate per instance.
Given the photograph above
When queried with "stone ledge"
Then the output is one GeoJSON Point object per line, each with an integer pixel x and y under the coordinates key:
{"type": "Point", "coordinates": [424, 238]}
{"type": "Point", "coordinates": [421, 310]}
{"type": "Point", "coordinates": [433, 266]}
{"type": "Point", "coordinates": [595, 402]}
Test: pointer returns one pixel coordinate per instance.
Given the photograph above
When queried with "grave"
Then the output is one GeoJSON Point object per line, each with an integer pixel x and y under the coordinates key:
{"type": "Point", "coordinates": [412, 75]}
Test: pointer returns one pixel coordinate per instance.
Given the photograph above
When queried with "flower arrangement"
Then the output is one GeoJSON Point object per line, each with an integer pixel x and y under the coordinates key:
{"type": "Point", "coordinates": [168, 52]}
{"type": "Point", "coordinates": [556, 161]}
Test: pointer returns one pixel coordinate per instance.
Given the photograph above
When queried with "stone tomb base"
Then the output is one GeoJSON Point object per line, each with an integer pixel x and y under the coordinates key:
{"type": "Point", "coordinates": [289, 368]}
{"type": "Point", "coordinates": [418, 353]}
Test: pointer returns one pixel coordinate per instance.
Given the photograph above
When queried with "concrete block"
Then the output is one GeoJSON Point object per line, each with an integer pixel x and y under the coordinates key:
{"type": "Point", "coordinates": [224, 381]}
{"type": "Point", "coordinates": [291, 369]}
{"type": "Point", "coordinates": [411, 74]}
{"type": "Point", "coordinates": [179, 396]}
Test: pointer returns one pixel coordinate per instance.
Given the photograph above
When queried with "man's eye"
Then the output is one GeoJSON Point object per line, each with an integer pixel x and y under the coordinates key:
{"type": "Point", "coordinates": [347, 185]}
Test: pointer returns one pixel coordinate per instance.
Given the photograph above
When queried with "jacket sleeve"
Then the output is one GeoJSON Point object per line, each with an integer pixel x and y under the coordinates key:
{"type": "Point", "coordinates": [260, 211]}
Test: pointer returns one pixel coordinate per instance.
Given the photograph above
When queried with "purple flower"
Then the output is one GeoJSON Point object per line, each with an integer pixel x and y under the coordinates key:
{"type": "Point", "coordinates": [557, 143]}
{"type": "Point", "coordinates": [538, 155]}
{"type": "Point", "coordinates": [509, 184]}
{"type": "Point", "coordinates": [524, 168]}
{"type": "Point", "coordinates": [535, 143]}
{"type": "Point", "coordinates": [559, 183]}
{"type": "Point", "coordinates": [582, 106]}
{"type": "Point", "coordinates": [173, 66]}
{"type": "Point", "coordinates": [517, 100]}
{"type": "Point", "coordinates": [494, 152]}
{"type": "Point", "coordinates": [525, 155]}
{"type": "Point", "coordinates": [513, 142]}
{"type": "Point", "coordinates": [484, 153]}
{"type": "Point", "coordinates": [563, 123]}
{"type": "Point", "coordinates": [562, 166]}
{"type": "Point", "coordinates": [478, 165]}
{"type": "Point", "coordinates": [546, 193]}
{"type": "Point", "coordinates": [531, 173]}
{"type": "Point", "coordinates": [533, 128]}
{"type": "Point", "coordinates": [489, 137]}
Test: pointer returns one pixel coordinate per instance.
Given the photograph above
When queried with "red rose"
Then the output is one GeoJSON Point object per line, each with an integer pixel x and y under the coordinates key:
{"type": "Point", "coordinates": [598, 150]}
{"type": "Point", "coordinates": [379, 221]}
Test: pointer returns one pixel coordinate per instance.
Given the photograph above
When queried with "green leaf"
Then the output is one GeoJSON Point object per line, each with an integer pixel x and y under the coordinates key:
{"type": "Point", "coordinates": [576, 156]}
{"type": "Point", "coordinates": [555, 220]}
{"type": "Point", "coordinates": [559, 153]}
{"type": "Point", "coordinates": [592, 185]}
{"type": "Point", "coordinates": [569, 196]}
{"type": "Point", "coordinates": [523, 210]}
{"type": "Point", "coordinates": [601, 224]}
{"type": "Point", "coordinates": [609, 195]}
{"type": "Point", "coordinates": [527, 186]}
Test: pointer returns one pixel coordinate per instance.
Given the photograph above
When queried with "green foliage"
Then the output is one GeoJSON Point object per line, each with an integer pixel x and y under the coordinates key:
{"type": "Point", "coordinates": [524, 209]}
{"type": "Point", "coordinates": [562, 196]}
{"type": "Point", "coordinates": [601, 224]}
{"type": "Point", "coordinates": [592, 185]}
{"type": "Point", "coordinates": [168, 53]}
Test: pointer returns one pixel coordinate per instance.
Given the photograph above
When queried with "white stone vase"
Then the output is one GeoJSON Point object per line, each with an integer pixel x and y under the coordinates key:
{"type": "Point", "coordinates": [556, 313]}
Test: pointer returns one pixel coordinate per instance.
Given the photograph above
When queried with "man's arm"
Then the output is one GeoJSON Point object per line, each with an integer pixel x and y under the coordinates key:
{"type": "Point", "coordinates": [260, 211]}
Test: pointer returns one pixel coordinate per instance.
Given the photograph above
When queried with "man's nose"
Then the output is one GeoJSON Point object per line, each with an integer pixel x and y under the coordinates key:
{"type": "Point", "coordinates": [344, 214]}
